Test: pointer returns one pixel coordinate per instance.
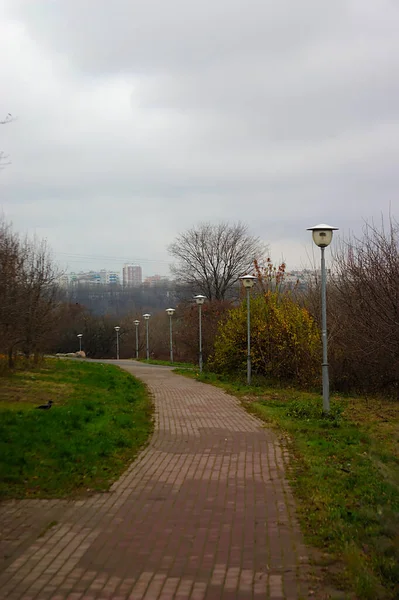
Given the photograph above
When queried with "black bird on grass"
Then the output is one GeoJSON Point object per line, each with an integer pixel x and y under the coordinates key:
{"type": "Point", "coordinates": [46, 406]}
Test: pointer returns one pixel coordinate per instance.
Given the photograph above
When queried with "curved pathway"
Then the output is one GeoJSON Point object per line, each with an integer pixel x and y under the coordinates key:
{"type": "Point", "coordinates": [204, 513]}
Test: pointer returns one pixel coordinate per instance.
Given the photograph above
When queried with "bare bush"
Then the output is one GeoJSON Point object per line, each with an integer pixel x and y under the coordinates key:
{"type": "Point", "coordinates": [364, 311]}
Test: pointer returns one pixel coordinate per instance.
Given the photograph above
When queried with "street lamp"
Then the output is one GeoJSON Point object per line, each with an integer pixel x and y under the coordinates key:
{"type": "Point", "coordinates": [117, 328]}
{"type": "Point", "coordinates": [80, 335]}
{"type": "Point", "coordinates": [248, 282]}
{"type": "Point", "coordinates": [146, 318]}
{"type": "Point", "coordinates": [137, 323]}
{"type": "Point", "coordinates": [322, 236]}
{"type": "Point", "coordinates": [170, 312]}
{"type": "Point", "coordinates": [200, 301]}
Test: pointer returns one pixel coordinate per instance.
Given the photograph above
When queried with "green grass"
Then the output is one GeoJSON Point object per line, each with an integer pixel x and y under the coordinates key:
{"type": "Point", "coordinates": [100, 418]}
{"type": "Point", "coordinates": [344, 472]}
{"type": "Point", "coordinates": [166, 363]}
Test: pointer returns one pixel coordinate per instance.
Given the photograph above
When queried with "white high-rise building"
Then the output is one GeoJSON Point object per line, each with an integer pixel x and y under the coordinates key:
{"type": "Point", "coordinates": [102, 277]}
{"type": "Point", "coordinates": [109, 277]}
{"type": "Point", "coordinates": [132, 275]}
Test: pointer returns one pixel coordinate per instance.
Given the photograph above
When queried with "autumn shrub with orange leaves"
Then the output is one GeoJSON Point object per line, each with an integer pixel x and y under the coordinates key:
{"type": "Point", "coordinates": [285, 340]}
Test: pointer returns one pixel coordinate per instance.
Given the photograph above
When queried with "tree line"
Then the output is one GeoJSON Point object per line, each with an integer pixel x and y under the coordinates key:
{"type": "Point", "coordinates": [363, 309]}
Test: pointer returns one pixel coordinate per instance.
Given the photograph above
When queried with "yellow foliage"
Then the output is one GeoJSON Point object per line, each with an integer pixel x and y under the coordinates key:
{"type": "Point", "coordinates": [285, 341]}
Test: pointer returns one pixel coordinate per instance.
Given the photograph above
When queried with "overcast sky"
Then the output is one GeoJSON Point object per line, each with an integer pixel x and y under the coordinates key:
{"type": "Point", "coordinates": [137, 119]}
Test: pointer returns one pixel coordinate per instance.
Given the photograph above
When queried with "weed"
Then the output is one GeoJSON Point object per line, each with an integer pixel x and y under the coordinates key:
{"type": "Point", "coordinates": [166, 363]}
{"type": "Point", "coordinates": [47, 528]}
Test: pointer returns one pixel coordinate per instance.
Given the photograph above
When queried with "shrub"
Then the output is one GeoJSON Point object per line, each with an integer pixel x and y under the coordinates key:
{"type": "Point", "coordinates": [285, 341]}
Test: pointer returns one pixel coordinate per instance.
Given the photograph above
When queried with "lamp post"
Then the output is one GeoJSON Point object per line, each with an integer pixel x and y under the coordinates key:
{"type": "Point", "coordinates": [80, 335]}
{"type": "Point", "coordinates": [137, 323]}
{"type": "Point", "coordinates": [322, 236]}
{"type": "Point", "coordinates": [248, 282]}
{"type": "Point", "coordinates": [147, 318]}
{"type": "Point", "coordinates": [170, 312]}
{"type": "Point", "coordinates": [117, 328]}
{"type": "Point", "coordinates": [200, 301]}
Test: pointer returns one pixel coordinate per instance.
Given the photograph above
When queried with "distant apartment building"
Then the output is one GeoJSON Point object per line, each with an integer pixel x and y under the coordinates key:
{"type": "Point", "coordinates": [300, 279]}
{"type": "Point", "coordinates": [63, 280]}
{"type": "Point", "coordinates": [109, 277]}
{"type": "Point", "coordinates": [132, 275]}
{"type": "Point", "coordinates": [102, 277]}
{"type": "Point", "coordinates": [155, 280]}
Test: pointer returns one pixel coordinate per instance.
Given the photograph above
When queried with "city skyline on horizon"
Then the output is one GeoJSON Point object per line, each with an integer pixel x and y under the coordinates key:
{"type": "Point", "coordinates": [103, 275]}
{"type": "Point", "coordinates": [131, 140]}
{"type": "Point", "coordinates": [157, 266]}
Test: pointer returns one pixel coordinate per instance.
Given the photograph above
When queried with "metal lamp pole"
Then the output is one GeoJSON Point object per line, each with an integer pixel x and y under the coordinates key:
{"type": "Point", "coordinates": [137, 338]}
{"type": "Point", "coordinates": [248, 282]}
{"type": "Point", "coordinates": [147, 318]}
{"type": "Point", "coordinates": [322, 236]}
{"type": "Point", "coordinates": [80, 335]}
{"type": "Point", "coordinates": [170, 312]}
{"type": "Point", "coordinates": [200, 301]}
{"type": "Point", "coordinates": [117, 328]}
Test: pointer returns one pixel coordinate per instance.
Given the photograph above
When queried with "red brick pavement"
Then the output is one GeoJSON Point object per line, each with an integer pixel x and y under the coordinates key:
{"type": "Point", "coordinates": [205, 512]}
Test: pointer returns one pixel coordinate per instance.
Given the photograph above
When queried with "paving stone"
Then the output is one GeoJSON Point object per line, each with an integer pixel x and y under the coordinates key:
{"type": "Point", "coordinates": [204, 512]}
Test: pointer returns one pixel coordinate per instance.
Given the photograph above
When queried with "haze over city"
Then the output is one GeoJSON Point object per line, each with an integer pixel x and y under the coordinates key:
{"type": "Point", "coordinates": [136, 120]}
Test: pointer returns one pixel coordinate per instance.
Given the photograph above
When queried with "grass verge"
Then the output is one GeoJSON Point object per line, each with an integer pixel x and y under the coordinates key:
{"type": "Point", "coordinates": [344, 474]}
{"type": "Point", "coordinates": [100, 418]}
{"type": "Point", "coordinates": [166, 363]}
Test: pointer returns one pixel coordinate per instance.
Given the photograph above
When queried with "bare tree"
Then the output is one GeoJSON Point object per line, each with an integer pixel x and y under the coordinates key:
{"type": "Point", "coordinates": [11, 283]}
{"type": "Point", "coordinates": [28, 293]}
{"type": "Point", "coordinates": [364, 306]}
{"type": "Point", "coordinates": [39, 293]}
{"type": "Point", "coordinates": [3, 156]}
{"type": "Point", "coordinates": [211, 258]}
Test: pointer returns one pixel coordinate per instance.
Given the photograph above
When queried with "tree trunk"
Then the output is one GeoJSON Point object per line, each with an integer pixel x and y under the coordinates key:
{"type": "Point", "coordinates": [10, 358]}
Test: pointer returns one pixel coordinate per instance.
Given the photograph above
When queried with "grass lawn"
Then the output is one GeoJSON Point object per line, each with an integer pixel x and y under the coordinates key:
{"type": "Point", "coordinates": [166, 363]}
{"type": "Point", "coordinates": [344, 474]}
{"type": "Point", "coordinates": [100, 418]}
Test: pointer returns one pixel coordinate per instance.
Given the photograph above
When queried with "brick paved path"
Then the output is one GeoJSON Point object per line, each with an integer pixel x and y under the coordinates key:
{"type": "Point", "coordinates": [205, 512]}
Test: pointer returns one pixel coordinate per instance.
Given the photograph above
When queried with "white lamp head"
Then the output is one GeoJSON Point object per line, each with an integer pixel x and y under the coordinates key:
{"type": "Point", "coordinates": [117, 328]}
{"type": "Point", "coordinates": [322, 234]}
{"type": "Point", "coordinates": [200, 299]}
{"type": "Point", "coordinates": [136, 322]}
{"type": "Point", "coordinates": [146, 316]}
{"type": "Point", "coordinates": [170, 311]}
{"type": "Point", "coordinates": [248, 280]}
{"type": "Point", "coordinates": [80, 335]}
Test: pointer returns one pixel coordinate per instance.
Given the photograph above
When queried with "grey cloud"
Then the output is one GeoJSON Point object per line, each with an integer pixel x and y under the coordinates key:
{"type": "Point", "coordinates": [136, 36]}
{"type": "Point", "coordinates": [277, 113]}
